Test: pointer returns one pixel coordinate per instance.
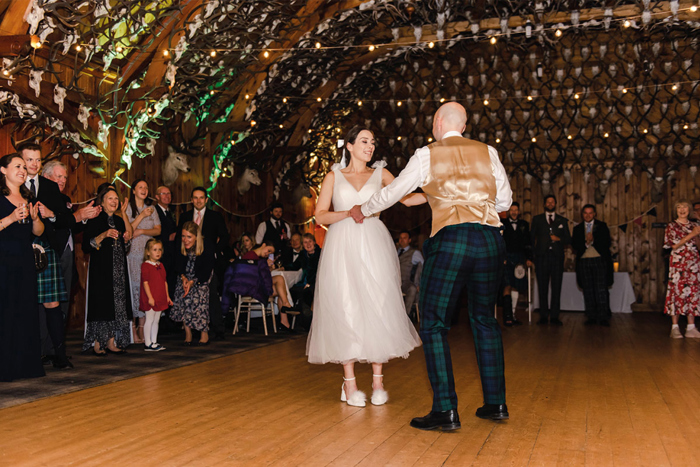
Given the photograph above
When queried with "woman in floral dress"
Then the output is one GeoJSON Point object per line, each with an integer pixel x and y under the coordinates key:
{"type": "Point", "coordinates": [194, 266]}
{"type": "Point", "coordinates": [683, 295]}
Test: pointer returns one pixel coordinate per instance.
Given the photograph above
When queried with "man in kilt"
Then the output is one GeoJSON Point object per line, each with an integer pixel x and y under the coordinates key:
{"type": "Point", "coordinates": [466, 186]}
{"type": "Point", "coordinates": [51, 284]}
{"type": "Point", "coordinates": [516, 234]}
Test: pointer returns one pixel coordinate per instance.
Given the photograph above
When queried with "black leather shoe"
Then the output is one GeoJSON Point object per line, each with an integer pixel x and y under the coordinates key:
{"type": "Point", "coordinates": [493, 412]}
{"type": "Point", "coordinates": [590, 321]}
{"type": "Point", "coordinates": [445, 421]}
{"type": "Point", "coordinates": [556, 321]}
{"type": "Point", "coordinates": [517, 323]}
{"type": "Point", "coordinates": [219, 336]}
{"type": "Point", "coordinates": [605, 322]}
{"type": "Point", "coordinates": [47, 359]}
{"type": "Point", "coordinates": [542, 321]}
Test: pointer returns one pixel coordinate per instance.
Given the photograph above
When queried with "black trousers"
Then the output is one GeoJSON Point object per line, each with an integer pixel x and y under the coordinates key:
{"type": "Point", "coordinates": [216, 317]}
{"type": "Point", "coordinates": [549, 268]}
{"type": "Point", "coordinates": [596, 297]}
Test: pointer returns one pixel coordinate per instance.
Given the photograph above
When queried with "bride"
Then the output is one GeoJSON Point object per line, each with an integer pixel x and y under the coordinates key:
{"type": "Point", "coordinates": [359, 313]}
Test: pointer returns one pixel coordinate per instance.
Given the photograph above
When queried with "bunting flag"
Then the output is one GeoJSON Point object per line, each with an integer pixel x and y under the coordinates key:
{"type": "Point", "coordinates": [623, 227]}
{"type": "Point", "coordinates": [652, 211]}
{"type": "Point", "coordinates": [639, 221]}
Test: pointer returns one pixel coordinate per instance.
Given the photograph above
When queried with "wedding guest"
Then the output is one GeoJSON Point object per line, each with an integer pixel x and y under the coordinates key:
{"type": "Point", "coordinates": [213, 229]}
{"type": "Point", "coordinates": [52, 287]}
{"type": "Point", "coordinates": [168, 232]}
{"type": "Point", "coordinates": [274, 231]}
{"type": "Point", "coordinates": [154, 296]}
{"type": "Point", "coordinates": [411, 262]}
{"type": "Point", "coordinates": [696, 210]}
{"type": "Point", "coordinates": [516, 235]}
{"type": "Point", "coordinates": [683, 291]}
{"type": "Point", "coordinates": [550, 236]}
{"type": "Point", "coordinates": [107, 239]}
{"type": "Point", "coordinates": [145, 223]}
{"type": "Point", "coordinates": [20, 348]}
{"type": "Point", "coordinates": [594, 266]}
{"type": "Point", "coordinates": [291, 255]}
{"type": "Point", "coordinates": [195, 267]}
{"type": "Point", "coordinates": [244, 245]}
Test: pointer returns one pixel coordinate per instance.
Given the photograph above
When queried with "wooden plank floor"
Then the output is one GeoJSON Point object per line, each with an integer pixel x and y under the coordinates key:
{"type": "Point", "coordinates": [625, 395]}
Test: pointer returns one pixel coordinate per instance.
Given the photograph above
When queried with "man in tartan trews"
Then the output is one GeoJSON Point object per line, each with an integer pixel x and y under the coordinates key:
{"type": "Point", "coordinates": [466, 249]}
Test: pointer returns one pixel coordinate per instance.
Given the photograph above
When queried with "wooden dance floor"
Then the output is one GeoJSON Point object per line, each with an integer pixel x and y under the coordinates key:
{"type": "Point", "coordinates": [577, 395]}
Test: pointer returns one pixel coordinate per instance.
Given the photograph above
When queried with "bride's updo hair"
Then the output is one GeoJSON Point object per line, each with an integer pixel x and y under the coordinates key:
{"type": "Point", "coordinates": [351, 137]}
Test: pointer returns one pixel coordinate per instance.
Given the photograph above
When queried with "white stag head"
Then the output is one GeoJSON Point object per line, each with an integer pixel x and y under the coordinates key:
{"type": "Point", "coordinates": [174, 164]}
{"type": "Point", "coordinates": [249, 177]}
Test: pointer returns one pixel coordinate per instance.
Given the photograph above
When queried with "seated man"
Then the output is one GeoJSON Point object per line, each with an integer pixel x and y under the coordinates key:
{"type": "Point", "coordinates": [304, 290]}
{"type": "Point", "coordinates": [250, 276]}
{"type": "Point", "coordinates": [291, 255]}
{"type": "Point", "coordinates": [411, 262]}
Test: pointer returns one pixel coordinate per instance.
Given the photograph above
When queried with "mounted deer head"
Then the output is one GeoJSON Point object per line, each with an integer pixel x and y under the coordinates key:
{"type": "Point", "coordinates": [249, 177]}
{"type": "Point", "coordinates": [174, 164]}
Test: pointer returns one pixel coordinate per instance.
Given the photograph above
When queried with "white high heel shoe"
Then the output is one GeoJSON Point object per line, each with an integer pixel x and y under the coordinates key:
{"type": "Point", "coordinates": [379, 396]}
{"type": "Point", "coordinates": [356, 399]}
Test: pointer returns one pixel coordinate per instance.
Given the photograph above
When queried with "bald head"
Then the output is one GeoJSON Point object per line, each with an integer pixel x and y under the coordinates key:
{"type": "Point", "coordinates": [449, 117]}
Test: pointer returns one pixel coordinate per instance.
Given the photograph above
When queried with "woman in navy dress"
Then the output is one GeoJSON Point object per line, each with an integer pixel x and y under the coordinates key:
{"type": "Point", "coordinates": [20, 346]}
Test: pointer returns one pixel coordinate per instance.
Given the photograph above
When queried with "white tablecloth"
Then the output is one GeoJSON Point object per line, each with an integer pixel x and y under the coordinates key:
{"type": "Point", "coordinates": [621, 294]}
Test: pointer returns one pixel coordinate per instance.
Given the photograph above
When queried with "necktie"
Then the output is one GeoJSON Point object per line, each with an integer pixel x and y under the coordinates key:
{"type": "Point", "coordinates": [401, 251]}
{"type": "Point", "coordinates": [198, 219]}
{"type": "Point", "coordinates": [32, 187]}
{"type": "Point", "coordinates": [550, 218]}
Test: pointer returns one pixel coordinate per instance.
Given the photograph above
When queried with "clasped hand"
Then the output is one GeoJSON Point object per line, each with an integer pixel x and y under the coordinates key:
{"type": "Point", "coordinates": [356, 214]}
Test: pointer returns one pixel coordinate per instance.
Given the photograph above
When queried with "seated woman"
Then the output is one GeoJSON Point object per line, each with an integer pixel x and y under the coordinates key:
{"type": "Point", "coordinates": [255, 280]}
{"type": "Point", "coordinates": [194, 265]}
{"type": "Point", "coordinates": [107, 240]}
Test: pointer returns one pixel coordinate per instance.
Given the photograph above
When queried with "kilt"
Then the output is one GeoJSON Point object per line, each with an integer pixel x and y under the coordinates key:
{"type": "Point", "coordinates": [51, 286]}
{"type": "Point", "coordinates": [512, 260]}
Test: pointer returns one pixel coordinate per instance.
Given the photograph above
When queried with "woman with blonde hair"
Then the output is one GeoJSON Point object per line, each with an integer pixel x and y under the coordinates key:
{"type": "Point", "coordinates": [194, 265]}
{"type": "Point", "coordinates": [683, 294]}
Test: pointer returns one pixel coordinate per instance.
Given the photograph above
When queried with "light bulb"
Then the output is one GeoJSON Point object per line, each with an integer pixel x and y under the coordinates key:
{"type": "Point", "coordinates": [120, 49]}
{"type": "Point", "coordinates": [253, 123]}
{"type": "Point", "coordinates": [213, 53]}
{"type": "Point", "coordinates": [318, 99]}
{"type": "Point", "coordinates": [359, 103]}
{"type": "Point", "coordinates": [371, 48]}
{"type": "Point", "coordinates": [693, 8]}
{"type": "Point", "coordinates": [284, 100]}
{"type": "Point", "coordinates": [247, 96]}
{"type": "Point", "coordinates": [281, 126]}
{"type": "Point", "coordinates": [486, 102]}
{"type": "Point", "coordinates": [431, 44]}
{"type": "Point", "coordinates": [398, 103]}
{"type": "Point", "coordinates": [569, 137]}
{"type": "Point", "coordinates": [685, 127]}
{"type": "Point", "coordinates": [442, 99]}
{"type": "Point", "coordinates": [233, 143]}
{"type": "Point", "coordinates": [605, 135]}
{"type": "Point", "coordinates": [529, 98]}
{"type": "Point", "coordinates": [624, 91]}
{"type": "Point", "coordinates": [493, 40]}
{"type": "Point", "coordinates": [558, 33]}
{"type": "Point", "coordinates": [211, 92]}
{"type": "Point", "coordinates": [576, 96]}
{"type": "Point", "coordinates": [398, 138]}
{"type": "Point", "coordinates": [534, 140]}
{"type": "Point", "coordinates": [645, 131]}
{"type": "Point", "coordinates": [627, 23]}
{"type": "Point", "coordinates": [674, 87]}
{"type": "Point", "coordinates": [498, 140]}
{"type": "Point", "coordinates": [430, 140]}
{"type": "Point", "coordinates": [318, 45]}
{"type": "Point", "coordinates": [78, 48]}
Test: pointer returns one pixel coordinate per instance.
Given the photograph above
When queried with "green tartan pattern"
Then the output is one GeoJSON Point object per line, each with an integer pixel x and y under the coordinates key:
{"type": "Point", "coordinates": [458, 256]}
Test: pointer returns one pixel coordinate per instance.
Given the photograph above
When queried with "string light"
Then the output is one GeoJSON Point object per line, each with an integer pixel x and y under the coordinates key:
{"type": "Point", "coordinates": [318, 45]}
{"type": "Point", "coordinates": [569, 137]}
{"type": "Point", "coordinates": [431, 44]}
{"type": "Point", "coordinates": [371, 48]}
{"type": "Point", "coordinates": [281, 126]}
{"type": "Point", "coordinates": [247, 96]}
{"type": "Point", "coordinates": [211, 92]}
{"type": "Point", "coordinates": [693, 8]}
{"type": "Point", "coordinates": [35, 42]}
{"type": "Point", "coordinates": [685, 127]}
{"type": "Point", "coordinates": [309, 130]}
{"type": "Point", "coordinates": [120, 49]}
{"type": "Point", "coordinates": [266, 54]}
{"type": "Point", "coordinates": [5, 72]}
{"type": "Point", "coordinates": [627, 23]}
{"type": "Point", "coordinates": [337, 130]}
{"type": "Point", "coordinates": [253, 123]}
{"type": "Point", "coordinates": [529, 98]}
{"type": "Point", "coordinates": [534, 140]}
{"type": "Point", "coordinates": [498, 140]}
{"type": "Point", "coordinates": [284, 100]}
{"type": "Point", "coordinates": [430, 140]}
{"type": "Point", "coordinates": [493, 40]}
{"type": "Point", "coordinates": [558, 33]}
{"type": "Point", "coordinates": [318, 99]}
{"type": "Point", "coordinates": [398, 103]}
{"type": "Point", "coordinates": [486, 102]}
{"type": "Point", "coordinates": [213, 53]}
{"type": "Point", "coordinates": [605, 135]}
{"type": "Point", "coordinates": [674, 87]}
{"type": "Point", "coordinates": [398, 138]}
{"type": "Point", "coordinates": [624, 90]}
{"type": "Point", "coordinates": [576, 96]}
{"type": "Point", "coordinates": [233, 143]}
{"type": "Point", "coordinates": [166, 53]}
{"type": "Point", "coordinates": [78, 48]}
{"type": "Point", "coordinates": [645, 131]}
{"type": "Point", "coordinates": [359, 103]}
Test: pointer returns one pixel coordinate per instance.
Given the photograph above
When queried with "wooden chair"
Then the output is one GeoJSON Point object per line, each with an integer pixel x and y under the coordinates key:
{"type": "Point", "coordinates": [249, 304]}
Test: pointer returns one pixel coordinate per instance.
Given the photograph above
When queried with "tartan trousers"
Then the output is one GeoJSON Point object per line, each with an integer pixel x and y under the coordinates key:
{"type": "Point", "coordinates": [466, 255]}
{"type": "Point", "coordinates": [594, 282]}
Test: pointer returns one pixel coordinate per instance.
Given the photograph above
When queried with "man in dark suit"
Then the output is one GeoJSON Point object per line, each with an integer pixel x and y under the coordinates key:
{"type": "Point", "coordinates": [213, 229]}
{"type": "Point", "coordinates": [516, 234]}
{"type": "Point", "coordinates": [594, 267]}
{"type": "Point", "coordinates": [168, 233]}
{"type": "Point", "coordinates": [292, 256]}
{"type": "Point", "coordinates": [549, 235]}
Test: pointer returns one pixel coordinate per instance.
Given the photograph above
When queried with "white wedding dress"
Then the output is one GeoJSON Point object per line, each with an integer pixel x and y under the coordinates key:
{"type": "Point", "coordinates": [359, 313]}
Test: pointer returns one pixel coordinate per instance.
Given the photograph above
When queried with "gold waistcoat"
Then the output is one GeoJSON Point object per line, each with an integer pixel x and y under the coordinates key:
{"type": "Point", "coordinates": [461, 187]}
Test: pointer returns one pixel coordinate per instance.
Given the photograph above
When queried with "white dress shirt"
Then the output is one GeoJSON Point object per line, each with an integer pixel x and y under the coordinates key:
{"type": "Point", "coordinates": [197, 213]}
{"type": "Point", "coordinates": [416, 173]}
{"type": "Point", "coordinates": [262, 229]}
{"type": "Point", "coordinates": [28, 184]}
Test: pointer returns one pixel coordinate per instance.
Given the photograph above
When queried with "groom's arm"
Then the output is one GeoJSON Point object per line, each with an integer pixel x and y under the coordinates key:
{"type": "Point", "coordinates": [410, 178]}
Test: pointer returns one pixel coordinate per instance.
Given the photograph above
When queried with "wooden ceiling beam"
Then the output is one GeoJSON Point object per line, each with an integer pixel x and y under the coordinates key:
{"type": "Point", "coordinates": [13, 21]}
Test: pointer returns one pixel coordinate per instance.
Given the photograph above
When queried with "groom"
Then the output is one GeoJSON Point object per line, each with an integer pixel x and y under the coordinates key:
{"type": "Point", "coordinates": [466, 186]}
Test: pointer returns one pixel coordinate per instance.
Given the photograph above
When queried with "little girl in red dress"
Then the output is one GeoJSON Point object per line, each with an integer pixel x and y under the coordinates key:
{"type": "Point", "coordinates": [154, 298]}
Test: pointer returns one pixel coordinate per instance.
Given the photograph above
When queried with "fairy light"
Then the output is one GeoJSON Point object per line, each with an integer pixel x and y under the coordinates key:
{"type": "Point", "coordinates": [212, 53]}
{"type": "Point", "coordinates": [359, 103]}
{"type": "Point", "coordinates": [486, 102]}
{"type": "Point", "coordinates": [498, 140]}
{"type": "Point", "coordinates": [624, 90]}
{"type": "Point", "coordinates": [318, 45]}
{"type": "Point", "coordinates": [318, 99]}
{"type": "Point", "coordinates": [430, 140]}
{"type": "Point", "coordinates": [371, 48]}
{"type": "Point", "coordinates": [78, 48]}
{"type": "Point", "coordinates": [442, 100]}
{"type": "Point", "coordinates": [266, 54]}
{"type": "Point", "coordinates": [674, 88]}
{"type": "Point", "coordinates": [493, 40]}
{"type": "Point", "coordinates": [685, 127]}
{"type": "Point", "coordinates": [605, 135]}
{"type": "Point", "coordinates": [529, 98]}
{"type": "Point", "coordinates": [693, 8]}
{"type": "Point", "coordinates": [281, 126]}
{"type": "Point", "coordinates": [284, 100]}
{"type": "Point", "coordinates": [247, 96]}
{"type": "Point", "coordinates": [253, 123]}
{"type": "Point", "coordinates": [645, 131]}
{"type": "Point", "coordinates": [398, 138]}
{"type": "Point", "coordinates": [233, 143]}
{"type": "Point", "coordinates": [534, 140]}
{"type": "Point", "coordinates": [431, 44]}
{"type": "Point", "coordinates": [569, 137]}
{"type": "Point", "coordinates": [211, 92]}
{"type": "Point", "coordinates": [166, 53]}
{"type": "Point", "coordinates": [120, 49]}
{"type": "Point", "coordinates": [310, 130]}
{"type": "Point", "coordinates": [5, 72]}
{"type": "Point", "coordinates": [558, 33]}
{"type": "Point", "coordinates": [398, 103]}
{"type": "Point", "coordinates": [627, 23]}
{"type": "Point", "coordinates": [576, 96]}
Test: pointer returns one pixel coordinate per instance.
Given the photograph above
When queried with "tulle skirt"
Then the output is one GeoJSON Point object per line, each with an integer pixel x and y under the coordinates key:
{"type": "Point", "coordinates": [359, 313]}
